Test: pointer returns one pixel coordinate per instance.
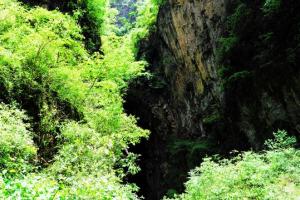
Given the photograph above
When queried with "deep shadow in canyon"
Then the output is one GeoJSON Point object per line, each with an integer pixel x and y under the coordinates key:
{"type": "Point", "coordinates": [151, 150]}
{"type": "Point", "coordinates": [166, 158]}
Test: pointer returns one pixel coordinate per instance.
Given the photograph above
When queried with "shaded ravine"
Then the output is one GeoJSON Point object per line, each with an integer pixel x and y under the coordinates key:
{"type": "Point", "coordinates": [152, 156]}
{"type": "Point", "coordinates": [150, 150]}
{"type": "Point", "coordinates": [166, 158]}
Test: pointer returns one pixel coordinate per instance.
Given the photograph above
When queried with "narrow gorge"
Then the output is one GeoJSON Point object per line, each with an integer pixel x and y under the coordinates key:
{"type": "Point", "coordinates": [149, 99]}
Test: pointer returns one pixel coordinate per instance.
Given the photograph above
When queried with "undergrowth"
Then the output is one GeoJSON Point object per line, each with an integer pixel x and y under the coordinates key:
{"type": "Point", "coordinates": [271, 174]}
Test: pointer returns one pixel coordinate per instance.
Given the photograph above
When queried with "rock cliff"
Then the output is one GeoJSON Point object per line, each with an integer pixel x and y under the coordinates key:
{"type": "Point", "coordinates": [197, 103]}
{"type": "Point", "coordinates": [184, 95]}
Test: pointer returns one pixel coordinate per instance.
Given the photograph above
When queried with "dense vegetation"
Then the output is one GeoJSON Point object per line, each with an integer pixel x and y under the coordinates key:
{"type": "Point", "coordinates": [255, 34]}
{"type": "Point", "coordinates": [64, 134]}
{"type": "Point", "coordinates": [272, 174]}
{"type": "Point", "coordinates": [63, 130]}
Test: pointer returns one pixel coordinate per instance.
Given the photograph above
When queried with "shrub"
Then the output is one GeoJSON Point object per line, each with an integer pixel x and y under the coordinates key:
{"type": "Point", "coordinates": [17, 150]}
{"type": "Point", "coordinates": [273, 174]}
{"type": "Point", "coordinates": [281, 141]}
{"type": "Point", "coordinates": [226, 45]}
{"type": "Point", "coordinates": [32, 186]}
{"type": "Point", "coordinates": [271, 6]}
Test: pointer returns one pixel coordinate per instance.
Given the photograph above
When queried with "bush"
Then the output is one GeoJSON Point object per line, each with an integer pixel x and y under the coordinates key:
{"type": "Point", "coordinates": [273, 174]}
{"type": "Point", "coordinates": [17, 150]}
{"type": "Point", "coordinates": [32, 186]}
{"type": "Point", "coordinates": [281, 141]}
{"type": "Point", "coordinates": [271, 6]}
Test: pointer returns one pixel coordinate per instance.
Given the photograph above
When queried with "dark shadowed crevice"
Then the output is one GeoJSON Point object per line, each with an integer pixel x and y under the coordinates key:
{"type": "Point", "coordinates": [166, 158]}
{"type": "Point", "coordinates": [148, 179]}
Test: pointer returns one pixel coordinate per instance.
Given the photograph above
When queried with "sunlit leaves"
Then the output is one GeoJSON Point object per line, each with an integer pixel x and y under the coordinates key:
{"type": "Point", "coordinates": [43, 60]}
{"type": "Point", "coordinates": [273, 174]}
{"type": "Point", "coordinates": [16, 146]}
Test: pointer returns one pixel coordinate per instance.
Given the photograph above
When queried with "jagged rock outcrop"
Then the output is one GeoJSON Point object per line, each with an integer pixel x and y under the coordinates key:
{"type": "Point", "coordinates": [189, 31]}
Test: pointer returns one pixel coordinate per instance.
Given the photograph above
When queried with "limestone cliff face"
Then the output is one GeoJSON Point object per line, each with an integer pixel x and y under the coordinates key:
{"type": "Point", "coordinates": [186, 59]}
{"type": "Point", "coordinates": [190, 30]}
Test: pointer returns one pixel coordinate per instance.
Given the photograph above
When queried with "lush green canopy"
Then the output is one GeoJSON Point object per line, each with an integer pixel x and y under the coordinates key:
{"type": "Point", "coordinates": [72, 102]}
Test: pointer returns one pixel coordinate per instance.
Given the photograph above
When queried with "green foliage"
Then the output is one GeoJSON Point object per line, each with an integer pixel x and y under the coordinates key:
{"type": "Point", "coordinates": [126, 17]}
{"type": "Point", "coordinates": [236, 20]}
{"type": "Point", "coordinates": [158, 2]}
{"type": "Point", "coordinates": [238, 76]}
{"type": "Point", "coordinates": [75, 100]}
{"type": "Point", "coordinates": [211, 119]}
{"type": "Point", "coordinates": [192, 149]}
{"type": "Point", "coordinates": [226, 45]}
{"type": "Point", "coordinates": [273, 174]}
{"type": "Point", "coordinates": [271, 6]}
{"type": "Point", "coordinates": [91, 15]}
{"type": "Point", "coordinates": [254, 36]}
{"type": "Point", "coordinates": [32, 186]}
{"type": "Point", "coordinates": [147, 13]}
{"type": "Point", "coordinates": [17, 150]}
{"type": "Point", "coordinates": [96, 11]}
{"type": "Point", "coordinates": [191, 145]}
{"type": "Point", "coordinates": [281, 141]}
{"type": "Point", "coordinates": [267, 37]}
{"type": "Point", "coordinates": [145, 22]}
{"type": "Point", "coordinates": [38, 49]}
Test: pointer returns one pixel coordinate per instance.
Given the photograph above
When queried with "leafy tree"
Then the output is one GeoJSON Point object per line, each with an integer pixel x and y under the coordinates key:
{"type": "Point", "coordinates": [75, 101]}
